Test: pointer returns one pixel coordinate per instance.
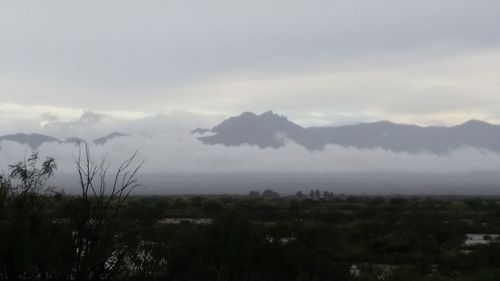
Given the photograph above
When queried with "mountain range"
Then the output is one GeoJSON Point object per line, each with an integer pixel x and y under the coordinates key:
{"type": "Point", "coordinates": [270, 130]}
{"type": "Point", "coordinates": [36, 140]}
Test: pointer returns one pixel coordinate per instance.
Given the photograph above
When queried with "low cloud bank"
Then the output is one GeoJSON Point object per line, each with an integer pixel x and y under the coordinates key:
{"type": "Point", "coordinates": [181, 152]}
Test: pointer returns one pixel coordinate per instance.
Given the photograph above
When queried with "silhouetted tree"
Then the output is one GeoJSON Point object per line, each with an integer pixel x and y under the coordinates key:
{"type": "Point", "coordinates": [311, 194]}
{"type": "Point", "coordinates": [25, 220]}
{"type": "Point", "coordinates": [317, 194]}
{"type": "Point", "coordinates": [254, 193]}
{"type": "Point", "coordinates": [269, 193]}
{"type": "Point", "coordinates": [100, 253]}
{"type": "Point", "coordinates": [327, 195]}
{"type": "Point", "coordinates": [300, 195]}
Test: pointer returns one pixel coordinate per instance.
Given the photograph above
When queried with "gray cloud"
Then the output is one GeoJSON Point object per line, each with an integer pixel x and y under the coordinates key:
{"type": "Point", "coordinates": [92, 124]}
{"type": "Point", "coordinates": [366, 57]}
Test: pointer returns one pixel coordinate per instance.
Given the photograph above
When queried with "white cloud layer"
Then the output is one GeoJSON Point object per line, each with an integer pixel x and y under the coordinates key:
{"type": "Point", "coordinates": [167, 146]}
{"type": "Point", "coordinates": [182, 153]}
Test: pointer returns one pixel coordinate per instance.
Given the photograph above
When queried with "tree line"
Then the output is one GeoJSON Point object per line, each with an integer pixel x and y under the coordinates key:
{"type": "Point", "coordinates": [105, 233]}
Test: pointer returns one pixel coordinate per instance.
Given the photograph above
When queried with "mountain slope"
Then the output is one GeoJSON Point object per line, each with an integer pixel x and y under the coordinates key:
{"type": "Point", "coordinates": [271, 130]}
{"type": "Point", "coordinates": [104, 140]}
{"type": "Point", "coordinates": [32, 140]}
{"type": "Point", "coordinates": [265, 130]}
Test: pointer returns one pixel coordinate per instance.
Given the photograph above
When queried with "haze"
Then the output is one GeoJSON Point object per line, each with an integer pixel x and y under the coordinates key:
{"type": "Point", "coordinates": [156, 70]}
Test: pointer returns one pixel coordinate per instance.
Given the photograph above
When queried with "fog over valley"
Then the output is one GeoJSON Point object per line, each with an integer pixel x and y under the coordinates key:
{"type": "Point", "coordinates": [255, 151]}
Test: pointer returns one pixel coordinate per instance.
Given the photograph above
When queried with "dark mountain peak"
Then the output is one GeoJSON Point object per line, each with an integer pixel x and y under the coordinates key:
{"type": "Point", "coordinates": [377, 124]}
{"type": "Point", "coordinates": [265, 130]}
{"type": "Point", "coordinates": [248, 114]}
{"type": "Point", "coordinates": [270, 116]}
{"type": "Point", "coordinates": [473, 123]}
{"type": "Point", "coordinates": [386, 123]}
{"type": "Point", "coordinates": [269, 113]}
{"type": "Point", "coordinates": [104, 140]}
{"type": "Point", "coordinates": [268, 121]}
{"type": "Point", "coordinates": [279, 121]}
{"type": "Point", "coordinates": [383, 123]}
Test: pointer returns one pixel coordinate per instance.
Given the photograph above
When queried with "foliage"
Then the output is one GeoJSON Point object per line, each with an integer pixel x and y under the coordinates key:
{"type": "Point", "coordinates": [106, 234]}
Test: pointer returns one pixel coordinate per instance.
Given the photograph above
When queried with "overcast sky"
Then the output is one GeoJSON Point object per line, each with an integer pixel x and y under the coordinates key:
{"type": "Point", "coordinates": [318, 62]}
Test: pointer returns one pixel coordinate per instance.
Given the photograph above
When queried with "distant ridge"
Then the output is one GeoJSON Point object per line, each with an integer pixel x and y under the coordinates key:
{"type": "Point", "coordinates": [104, 140]}
{"type": "Point", "coordinates": [200, 131]}
{"type": "Point", "coordinates": [270, 130]}
{"type": "Point", "coordinates": [34, 141]}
